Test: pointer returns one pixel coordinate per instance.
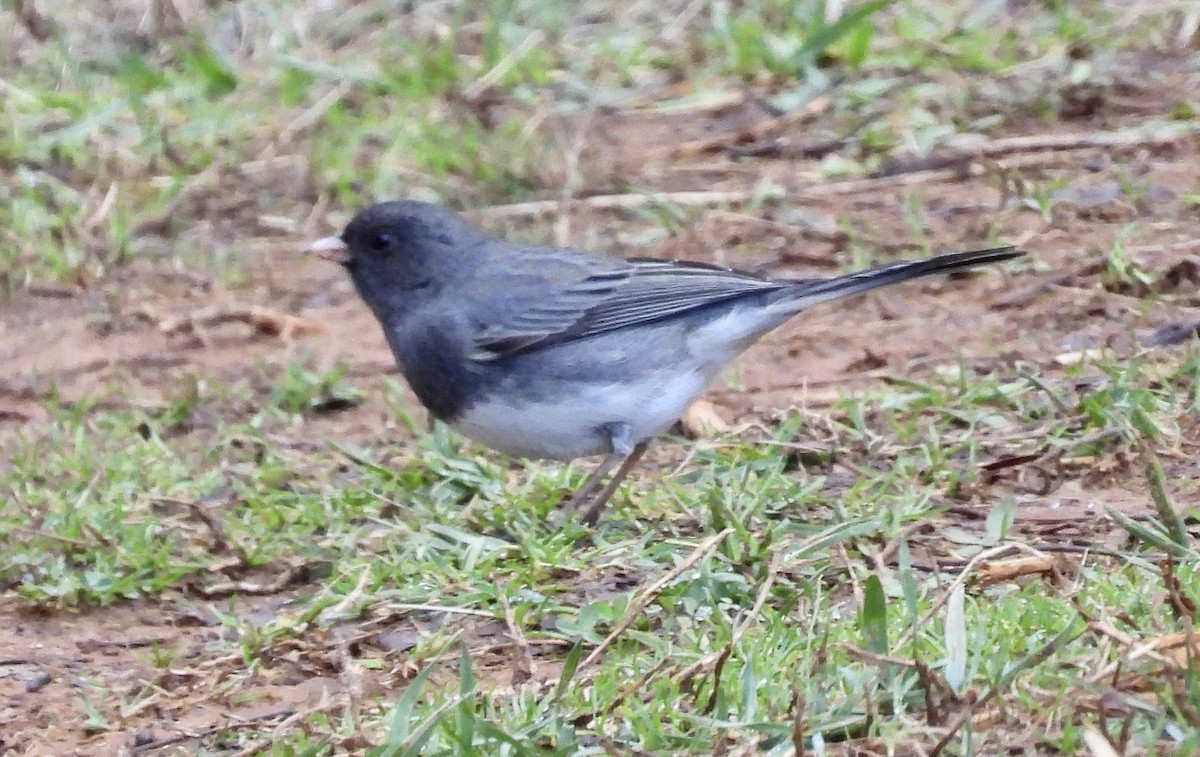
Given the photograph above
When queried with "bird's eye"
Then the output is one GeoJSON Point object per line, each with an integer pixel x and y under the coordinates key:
{"type": "Point", "coordinates": [381, 242]}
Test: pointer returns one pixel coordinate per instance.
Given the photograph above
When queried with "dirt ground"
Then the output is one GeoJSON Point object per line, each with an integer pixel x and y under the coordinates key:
{"type": "Point", "coordinates": [137, 337]}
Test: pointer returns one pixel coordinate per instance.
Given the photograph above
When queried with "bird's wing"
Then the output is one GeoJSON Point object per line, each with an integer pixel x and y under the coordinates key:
{"type": "Point", "coordinates": [550, 297]}
{"type": "Point", "coordinates": [660, 289]}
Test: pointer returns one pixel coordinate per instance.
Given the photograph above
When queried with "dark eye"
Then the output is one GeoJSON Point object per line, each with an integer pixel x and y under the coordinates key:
{"type": "Point", "coordinates": [381, 242]}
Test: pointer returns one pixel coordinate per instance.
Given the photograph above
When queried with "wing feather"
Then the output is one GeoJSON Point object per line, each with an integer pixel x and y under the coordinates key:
{"type": "Point", "coordinates": [607, 295]}
{"type": "Point", "coordinates": [548, 296]}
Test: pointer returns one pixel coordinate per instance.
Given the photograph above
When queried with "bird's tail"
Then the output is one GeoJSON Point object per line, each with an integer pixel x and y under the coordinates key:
{"type": "Point", "coordinates": [810, 292]}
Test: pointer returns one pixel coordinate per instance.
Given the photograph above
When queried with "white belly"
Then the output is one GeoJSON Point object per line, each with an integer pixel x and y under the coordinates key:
{"type": "Point", "coordinates": [575, 425]}
{"type": "Point", "coordinates": [675, 362]}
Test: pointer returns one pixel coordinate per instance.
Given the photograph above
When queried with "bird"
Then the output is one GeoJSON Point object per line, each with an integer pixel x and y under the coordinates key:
{"type": "Point", "coordinates": [555, 353]}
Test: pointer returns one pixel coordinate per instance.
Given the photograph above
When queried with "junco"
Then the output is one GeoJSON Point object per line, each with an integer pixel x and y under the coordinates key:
{"type": "Point", "coordinates": [545, 352]}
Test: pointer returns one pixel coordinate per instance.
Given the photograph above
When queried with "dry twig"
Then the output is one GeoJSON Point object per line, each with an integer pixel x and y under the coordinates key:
{"type": "Point", "coordinates": [643, 600]}
{"type": "Point", "coordinates": [262, 319]}
{"type": "Point", "coordinates": [522, 660]}
{"type": "Point", "coordinates": [757, 131]}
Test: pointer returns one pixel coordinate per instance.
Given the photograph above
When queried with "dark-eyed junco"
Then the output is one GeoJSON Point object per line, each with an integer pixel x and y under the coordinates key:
{"type": "Point", "coordinates": [545, 352]}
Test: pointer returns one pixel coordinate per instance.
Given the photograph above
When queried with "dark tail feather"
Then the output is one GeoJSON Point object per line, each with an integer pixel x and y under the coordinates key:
{"type": "Point", "coordinates": [806, 293]}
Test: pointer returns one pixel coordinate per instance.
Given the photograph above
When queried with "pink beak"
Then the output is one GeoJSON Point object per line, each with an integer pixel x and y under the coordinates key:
{"type": "Point", "coordinates": [332, 249]}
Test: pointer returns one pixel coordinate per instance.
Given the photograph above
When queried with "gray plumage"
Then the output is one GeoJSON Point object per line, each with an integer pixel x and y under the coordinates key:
{"type": "Point", "coordinates": [560, 353]}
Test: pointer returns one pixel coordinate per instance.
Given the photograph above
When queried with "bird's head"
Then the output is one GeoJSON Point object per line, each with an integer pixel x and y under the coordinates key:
{"type": "Point", "coordinates": [400, 253]}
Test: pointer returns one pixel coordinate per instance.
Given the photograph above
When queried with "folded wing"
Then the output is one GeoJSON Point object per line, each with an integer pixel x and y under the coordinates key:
{"type": "Point", "coordinates": [595, 295]}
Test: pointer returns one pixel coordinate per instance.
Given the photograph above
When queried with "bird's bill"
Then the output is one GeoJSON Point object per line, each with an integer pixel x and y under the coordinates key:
{"type": "Point", "coordinates": [332, 249]}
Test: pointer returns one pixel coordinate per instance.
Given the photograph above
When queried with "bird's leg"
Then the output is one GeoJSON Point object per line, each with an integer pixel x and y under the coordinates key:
{"type": "Point", "coordinates": [594, 479]}
{"type": "Point", "coordinates": [593, 512]}
{"type": "Point", "coordinates": [625, 452]}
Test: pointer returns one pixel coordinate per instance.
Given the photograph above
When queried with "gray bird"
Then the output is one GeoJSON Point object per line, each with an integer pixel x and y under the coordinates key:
{"type": "Point", "coordinates": [545, 352]}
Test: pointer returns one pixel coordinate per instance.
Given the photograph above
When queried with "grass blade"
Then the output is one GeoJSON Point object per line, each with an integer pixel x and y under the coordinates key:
{"type": "Point", "coordinates": [1167, 513]}
{"type": "Point", "coordinates": [826, 35]}
{"type": "Point", "coordinates": [956, 639]}
{"type": "Point", "coordinates": [570, 665]}
{"type": "Point", "coordinates": [402, 714]}
{"type": "Point", "coordinates": [1148, 533]}
{"type": "Point", "coordinates": [872, 619]}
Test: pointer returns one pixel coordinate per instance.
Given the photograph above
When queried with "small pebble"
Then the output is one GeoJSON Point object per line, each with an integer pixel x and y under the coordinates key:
{"type": "Point", "coordinates": [34, 683]}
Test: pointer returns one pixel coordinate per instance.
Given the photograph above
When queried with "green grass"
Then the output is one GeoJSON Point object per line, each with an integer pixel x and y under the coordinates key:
{"type": "Point", "coordinates": [825, 593]}
{"type": "Point", "coordinates": [104, 506]}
